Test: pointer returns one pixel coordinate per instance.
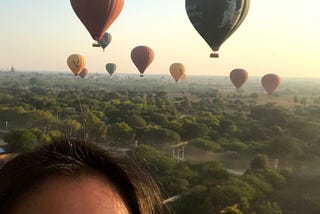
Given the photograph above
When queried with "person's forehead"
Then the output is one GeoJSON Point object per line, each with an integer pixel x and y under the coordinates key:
{"type": "Point", "coordinates": [82, 194]}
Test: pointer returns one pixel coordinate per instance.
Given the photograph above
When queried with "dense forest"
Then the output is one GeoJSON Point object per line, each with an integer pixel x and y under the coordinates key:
{"type": "Point", "coordinates": [238, 152]}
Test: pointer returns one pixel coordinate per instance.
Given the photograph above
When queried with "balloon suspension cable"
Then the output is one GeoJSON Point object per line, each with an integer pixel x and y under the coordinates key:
{"type": "Point", "coordinates": [214, 55]}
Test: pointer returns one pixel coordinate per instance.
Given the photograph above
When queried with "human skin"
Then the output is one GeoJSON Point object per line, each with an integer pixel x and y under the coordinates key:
{"type": "Point", "coordinates": [84, 194]}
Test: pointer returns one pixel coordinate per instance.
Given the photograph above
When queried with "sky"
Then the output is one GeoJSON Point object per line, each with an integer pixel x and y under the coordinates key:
{"type": "Point", "coordinates": [277, 36]}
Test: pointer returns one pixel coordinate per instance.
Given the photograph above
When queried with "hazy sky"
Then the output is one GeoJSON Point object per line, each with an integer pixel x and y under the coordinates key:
{"type": "Point", "coordinates": [278, 36]}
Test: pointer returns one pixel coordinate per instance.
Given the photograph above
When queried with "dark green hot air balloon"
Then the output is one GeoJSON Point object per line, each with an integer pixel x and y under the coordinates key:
{"type": "Point", "coordinates": [216, 20]}
{"type": "Point", "coordinates": [111, 68]}
{"type": "Point", "coordinates": [104, 42]}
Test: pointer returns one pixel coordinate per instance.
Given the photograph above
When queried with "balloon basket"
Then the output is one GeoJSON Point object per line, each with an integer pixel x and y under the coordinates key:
{"type": "Point", "coordinates": [141, 75]}
{"type": "Point", "coordinates": [214, 55]}
{"type": "Point", "coordinates": [96, 45]}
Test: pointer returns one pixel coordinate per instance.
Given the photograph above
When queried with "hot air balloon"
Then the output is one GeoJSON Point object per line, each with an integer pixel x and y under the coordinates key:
{"type": "Point", "coordinates": [270, 82]}
{"type": "Point", "coordinates": [177, 70]}
{"type": "Point", "coordinates": [76, 63]}
{"type": "Point", "coordinates": [97, 15]}
{"type": "Point", "coordinates": [83, 73]}
{"type": "Point", "coordinates": [111, 68]}
{"type": "Point", "coordinates": [216, 20]}
{"type": "Point", "coordinates": [142, 56]}
{"type": "Point", "coordinates": [238, 77]}
{"type": "Point", "coordinates": [104, 42]}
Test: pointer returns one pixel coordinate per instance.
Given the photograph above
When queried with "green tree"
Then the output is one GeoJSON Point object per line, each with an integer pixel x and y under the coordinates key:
{"type": "Point", "coordinates": [231, 210]}
{"type": "Point", "coordinates": [194, 201]}
{"type": "Point", "coordinates": [208, 119]}
{"type": "Point", "coordinates": [55, 135]}
{"type": "Point", "coordinates": [286, 146]}
{"type": "Point", "coordinates": [69, 128]}
{"type": "Point", "coordinates": [176, 126]}
{"type": "Point", "coordinates": [209, 173]}
{"type": "Point", "coordinates": [205, 144]}
{"type": "Point", "coordinates": [22, 140]}
{"type": "Point", "coordinates": [194, 130]}
{"type": "Point", "coordinates": [260, 161]}
{"type": "Point", "coordinates": [159, 164]}
{"type": "Point", "coordinates": [158, 118]}
{"type": "Point", "coordinates": [262, 188]}
{"type": "Point", "coordinates": [266, 207]}
{"type": "Point", "coordinates": [232, 144]}
{"type": "Point", "coordinates": [95, 128]}
{"type": "Point", "coordinates": [136, 121]}
{"type": "Point", "coordinates": [157, 136]}
{"type": "Point", "coordinates": [121, 132]}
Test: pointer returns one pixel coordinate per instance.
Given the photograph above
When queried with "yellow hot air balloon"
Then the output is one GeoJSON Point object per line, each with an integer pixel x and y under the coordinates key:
{"type": "Point", "coordinates": [177, 70]}
{"type": "Point", "coordinates": [76, 63]}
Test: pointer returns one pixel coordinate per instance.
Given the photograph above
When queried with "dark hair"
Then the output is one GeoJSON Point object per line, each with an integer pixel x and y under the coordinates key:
{"type": "Point", "coordinates": [72, 158]}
